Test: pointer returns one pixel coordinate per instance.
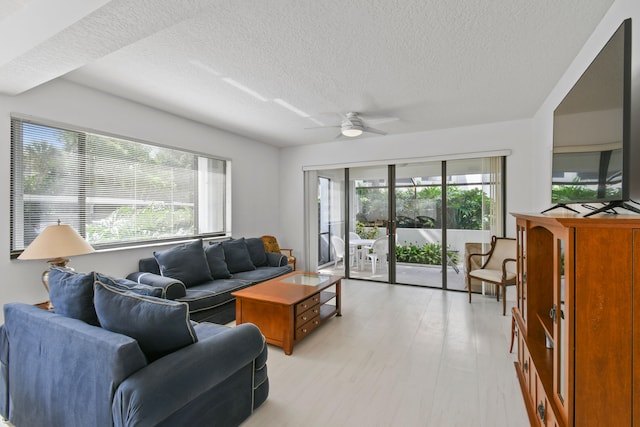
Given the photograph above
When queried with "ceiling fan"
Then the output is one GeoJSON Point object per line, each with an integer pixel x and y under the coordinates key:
{"type": "Point", "coordinates": [353, 124]}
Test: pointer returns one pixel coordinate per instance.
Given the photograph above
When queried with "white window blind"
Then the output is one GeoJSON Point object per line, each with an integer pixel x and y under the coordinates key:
{"type": "Point", "coordinates": [114, 191]}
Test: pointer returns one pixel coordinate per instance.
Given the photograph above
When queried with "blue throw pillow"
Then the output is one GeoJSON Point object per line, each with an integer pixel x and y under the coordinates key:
{"type": "Point", "coordinates": [186, 263]}
{"type": "Point", "coordinates": [237, 256]}
{"type": "Point", "coordinates": [256, 251]}
{"type": "Point", "coordinates": [129, 285]}
{"type": "Point", "coordinates": [160, 326]}
{"type": "Point", "coordinates": [71, 294]}
{"type": "Point", "coordinates": [217, 264]}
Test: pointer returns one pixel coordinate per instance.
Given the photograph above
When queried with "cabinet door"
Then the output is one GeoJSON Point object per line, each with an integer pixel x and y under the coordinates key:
{"type": "Point", "coordinates": [636, 327]}
{"type": "Point", "coordinates": [603, 326]}
{"type": "Point", "coordinates": [525, 362]}
{"type": "Point", "coordinates": [550, 418]}
{"type": "Point", "coordinates": [521, 259]}
{"type": "Point", "coordinates": [560, 316]}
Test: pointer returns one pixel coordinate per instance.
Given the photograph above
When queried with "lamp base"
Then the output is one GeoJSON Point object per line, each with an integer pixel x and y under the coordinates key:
{"type": "Point", "coordinates": [55, 262]}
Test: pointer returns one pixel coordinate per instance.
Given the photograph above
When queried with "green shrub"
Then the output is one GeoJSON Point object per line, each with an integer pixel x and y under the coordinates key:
{"type": "Point", "coordinates": [429, 253]}
{"type": "Point", "coordinates": [366, 232]}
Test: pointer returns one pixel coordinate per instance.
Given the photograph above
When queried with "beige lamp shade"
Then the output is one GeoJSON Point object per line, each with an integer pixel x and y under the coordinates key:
{"type": "Point", "coordinates": [57, 241]}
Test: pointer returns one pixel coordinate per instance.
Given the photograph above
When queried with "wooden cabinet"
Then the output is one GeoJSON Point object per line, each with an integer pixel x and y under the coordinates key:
{"type": "Point", "coordinates": [576, 316]}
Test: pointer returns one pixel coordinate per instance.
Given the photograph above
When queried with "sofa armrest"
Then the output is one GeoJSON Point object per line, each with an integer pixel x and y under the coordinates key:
{"type": "Point", "coordinates": [57, 365]}
{"type": "Point", "coordinates": [276, 259]}
{"type": "Point", "coordinates": [171, 288]}
{"type": "Point", "coordinates": [168, 384]}
{"type": "Point", "coordinates": [4, 374]}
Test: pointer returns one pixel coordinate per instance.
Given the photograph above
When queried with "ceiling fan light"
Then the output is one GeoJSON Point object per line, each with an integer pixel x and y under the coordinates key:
{"type": "Point", "coordinates": [352, 132]}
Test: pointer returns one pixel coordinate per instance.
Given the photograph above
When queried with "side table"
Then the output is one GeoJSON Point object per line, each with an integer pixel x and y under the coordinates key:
{"type": "Point", "coordinates": [45, 305]}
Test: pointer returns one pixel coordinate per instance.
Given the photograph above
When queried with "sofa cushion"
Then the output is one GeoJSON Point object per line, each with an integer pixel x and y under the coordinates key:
{"type": "Point", "coordinates": [237, 256]}
{"type": "Point", "coordinates": [256, 251]}
{"type": "Point", "coordinates": [128, 285]}
{"type": "Point", "coordinates": [215, 258]}
{"type": "Point", "coordinates": [160, 326]}
{"type": "Point", "coordinates": [149, 265]}
{"type": "Point", "coordinates": [186, 262]}
{"type": "Point", "coordinates": [261, 274]}
{"type": "Point", "coordinates": [212, 294]}
{"type": "Point", "coordinates": [71, 294]}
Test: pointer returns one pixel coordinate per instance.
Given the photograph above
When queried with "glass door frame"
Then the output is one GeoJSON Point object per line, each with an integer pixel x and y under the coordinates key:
{"type": "Point", "coordinates": [391, 226]}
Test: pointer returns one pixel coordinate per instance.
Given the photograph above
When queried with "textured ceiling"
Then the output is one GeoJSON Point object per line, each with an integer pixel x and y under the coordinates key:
{"type": "Point", "coordinates": [271, 69]}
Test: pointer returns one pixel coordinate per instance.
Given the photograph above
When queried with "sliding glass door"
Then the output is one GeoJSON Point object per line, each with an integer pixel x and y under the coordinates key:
{"type": "Point", "coordinates": [410, 223]}
{"type": "Point", "coordinates": [473, 210]}
{"type": "Point", "coordinates": [418, 201]}
{"type": "Point", "coordinates": [369, 240]}
{"type": "Point", "coordinates": [329, 221]}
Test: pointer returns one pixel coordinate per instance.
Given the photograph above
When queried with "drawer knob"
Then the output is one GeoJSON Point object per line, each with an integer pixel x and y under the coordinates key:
{"type": "Point", "coordinates": [541, 411]}
{"type": "Point", "coordinates": [304, 317]}
{"type": "Point", "coordinates": [304, 330]}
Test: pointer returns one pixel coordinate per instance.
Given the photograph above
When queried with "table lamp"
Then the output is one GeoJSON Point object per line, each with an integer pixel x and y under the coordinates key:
{"type": "Point", "coordinates": [55, 243]}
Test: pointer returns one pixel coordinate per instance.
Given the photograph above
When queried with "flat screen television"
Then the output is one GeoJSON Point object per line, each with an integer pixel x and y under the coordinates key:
{"type": "Point", "coordinates": [596, 135]}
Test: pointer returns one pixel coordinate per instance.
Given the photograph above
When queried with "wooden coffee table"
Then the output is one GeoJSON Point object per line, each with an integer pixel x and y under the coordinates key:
{"type": "Point", "coordinates": [289, 307]}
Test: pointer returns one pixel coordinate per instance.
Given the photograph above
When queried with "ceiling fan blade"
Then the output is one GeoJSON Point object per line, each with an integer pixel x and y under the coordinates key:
{"type": "Point", "coordinates": [379, 120]}
{"type": "Point", "coordinates": [323, 127]}
{"type": "Point", "coordinates": [372, 130]}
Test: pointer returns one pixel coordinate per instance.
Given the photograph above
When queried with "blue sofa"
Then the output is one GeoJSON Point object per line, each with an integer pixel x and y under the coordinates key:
{"type": "Point", "coordinates": [205, 276]}
{"type": "Point", "coordinates": [61, 371]}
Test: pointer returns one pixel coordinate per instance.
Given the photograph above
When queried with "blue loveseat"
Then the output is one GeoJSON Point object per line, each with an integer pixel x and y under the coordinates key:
{"type": "Point", "coordinates": [205, 276]}
{"type": "Point", "coordinates": [132, 359]}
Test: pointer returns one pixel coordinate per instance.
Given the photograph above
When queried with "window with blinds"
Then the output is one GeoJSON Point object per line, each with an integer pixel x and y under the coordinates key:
{"type": "Point", "coordinates": [113, 191]}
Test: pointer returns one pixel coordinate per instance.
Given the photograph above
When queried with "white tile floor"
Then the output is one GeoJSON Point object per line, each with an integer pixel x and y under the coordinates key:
{"type": "Point", "coordinates": [399, 356]}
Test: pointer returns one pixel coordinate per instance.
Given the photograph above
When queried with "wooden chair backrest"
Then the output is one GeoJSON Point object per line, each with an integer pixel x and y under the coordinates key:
{"type": "Point", "coordinates": [502, 248]}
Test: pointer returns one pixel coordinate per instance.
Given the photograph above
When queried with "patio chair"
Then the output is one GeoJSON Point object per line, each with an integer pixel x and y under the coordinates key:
{"type": "Point", "coordinates": [357, 248]}
{"type": "Point", "coordinates": [498, 268]}
{"type": "Point", "coordinates": [379, 252]}
{"type": "Point", "coordinates": [339, 251]}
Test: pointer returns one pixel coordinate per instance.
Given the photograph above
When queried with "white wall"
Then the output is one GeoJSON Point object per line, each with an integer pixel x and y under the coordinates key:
{"type": "Point", "coordinates": [255, 201]}
{"type": "Point", "coordinates": [514, 136]}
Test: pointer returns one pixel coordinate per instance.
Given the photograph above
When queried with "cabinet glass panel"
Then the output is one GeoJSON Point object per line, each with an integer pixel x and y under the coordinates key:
{"type": "Point", "coordinates": [561, 341]}
{"type": "Point", "coordinates": [524, 274]}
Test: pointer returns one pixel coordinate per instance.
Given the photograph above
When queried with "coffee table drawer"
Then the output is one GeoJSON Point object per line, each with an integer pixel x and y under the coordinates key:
{"type": "Point", "coordinates": [303, 318]}
{"type": "Point", "coordinates": [306, 329]}
{"type": "Point", "coordinates": [305, 305]}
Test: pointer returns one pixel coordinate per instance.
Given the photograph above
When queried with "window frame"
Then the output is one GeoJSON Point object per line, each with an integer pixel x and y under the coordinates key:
{"type": "Point", "coordinates": [17, 214]}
